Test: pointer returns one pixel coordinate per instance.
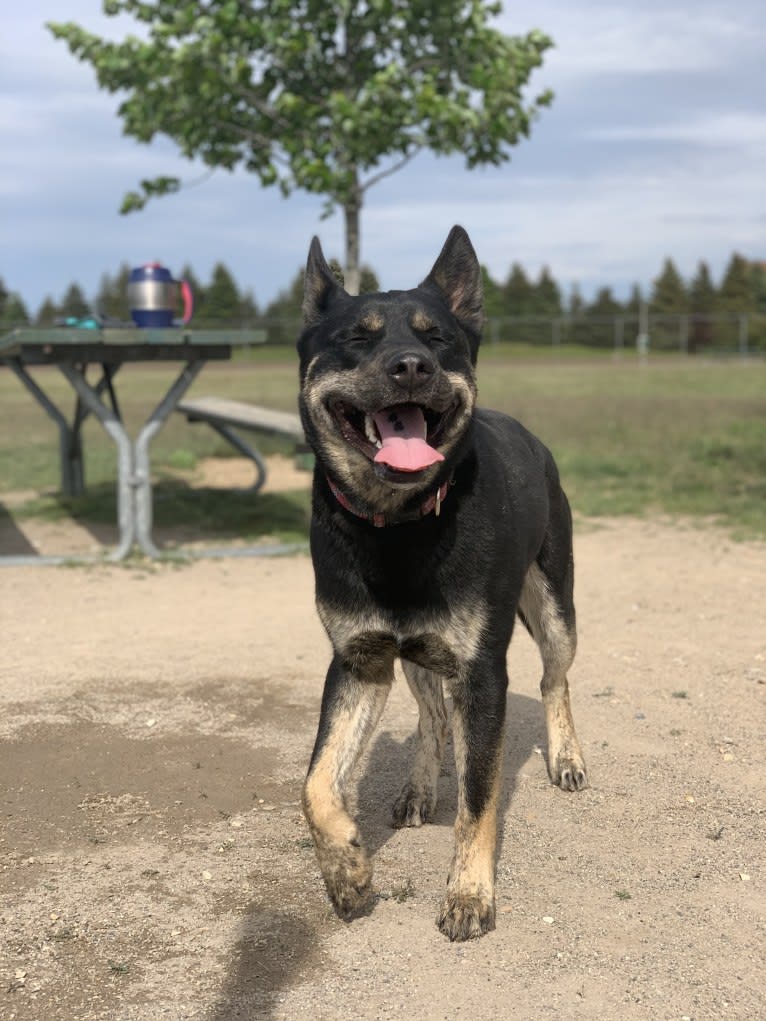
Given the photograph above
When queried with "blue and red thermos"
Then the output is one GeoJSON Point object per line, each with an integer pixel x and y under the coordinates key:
{"type": "Point", "coordinates": [153, 297]}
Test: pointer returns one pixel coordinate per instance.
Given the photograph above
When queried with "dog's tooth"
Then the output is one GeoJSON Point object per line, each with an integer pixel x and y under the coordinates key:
{"type": "Point", "coordinates": [370, 431]}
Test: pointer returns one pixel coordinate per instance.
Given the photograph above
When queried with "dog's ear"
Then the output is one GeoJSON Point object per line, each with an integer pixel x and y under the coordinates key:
{"type": "Point", "coordinates": [319, 285]}
{"type": "Point", "coordinates": [457, 275]}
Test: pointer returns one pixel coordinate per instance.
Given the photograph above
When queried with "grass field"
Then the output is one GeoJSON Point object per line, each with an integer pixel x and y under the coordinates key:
{"type": "Point", "coordinates": [675, 436]}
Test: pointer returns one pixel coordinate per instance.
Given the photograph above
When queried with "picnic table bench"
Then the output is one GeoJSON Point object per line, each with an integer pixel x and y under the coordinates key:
{"type": "Point", "coordinates": [226, 415]}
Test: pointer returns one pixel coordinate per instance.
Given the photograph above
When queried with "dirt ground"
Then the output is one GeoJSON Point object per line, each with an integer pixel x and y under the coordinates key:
{"type": "Point", "coordinates": [155, 728]}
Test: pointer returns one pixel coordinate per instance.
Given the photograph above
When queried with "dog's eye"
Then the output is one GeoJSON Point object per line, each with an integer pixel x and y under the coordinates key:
{"type": "Point", "coordinates": [436, 337]}
{"type": "Point", "coordinates": [357, 341]}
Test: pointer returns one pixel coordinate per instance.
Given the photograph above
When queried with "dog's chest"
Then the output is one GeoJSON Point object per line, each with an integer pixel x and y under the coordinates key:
{"type": "Point", "coordinates": [369, 638]}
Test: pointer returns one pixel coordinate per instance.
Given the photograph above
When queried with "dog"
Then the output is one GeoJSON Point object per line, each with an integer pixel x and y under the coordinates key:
{"type": "Point", "coordinates": [434, 524]}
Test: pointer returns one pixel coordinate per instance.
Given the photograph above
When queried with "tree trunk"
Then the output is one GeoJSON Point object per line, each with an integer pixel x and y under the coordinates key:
{"type": "Point", "coordinates": [351, 210]}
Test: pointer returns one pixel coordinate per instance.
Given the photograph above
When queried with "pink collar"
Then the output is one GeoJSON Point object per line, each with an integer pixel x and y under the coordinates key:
{"type": "Point", "coordinates": [433, 503]}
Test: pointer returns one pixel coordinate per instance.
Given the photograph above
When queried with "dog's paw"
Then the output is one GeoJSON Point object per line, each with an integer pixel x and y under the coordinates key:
{"type": "Point", "coordinates": [466, 916]}
{"type": "Point", "coordinates": [569, 773]}
{"type": "Point", "coordinates": [413, 807]}
{"type": "Point", "coordinates": [347, 874]}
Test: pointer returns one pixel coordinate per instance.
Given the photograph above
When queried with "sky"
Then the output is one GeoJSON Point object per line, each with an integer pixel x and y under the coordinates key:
{"type": "Point", "coordinates": [655, 146]}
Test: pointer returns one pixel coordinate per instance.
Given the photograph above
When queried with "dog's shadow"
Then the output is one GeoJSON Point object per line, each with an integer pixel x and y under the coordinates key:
{"type": "Point", "coordinates": [389, 761]}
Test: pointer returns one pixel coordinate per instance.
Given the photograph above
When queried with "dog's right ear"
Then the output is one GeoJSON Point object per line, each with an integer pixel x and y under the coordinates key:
{"type": "Point", "coordinates": [319, 286]}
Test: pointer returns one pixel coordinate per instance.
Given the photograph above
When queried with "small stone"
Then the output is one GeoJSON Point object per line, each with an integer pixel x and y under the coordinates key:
{"type": "Point", "coordinates": [150, 723]}
{"type": "Point", "coordinates": [207, 875]}
{"type": "Point", "coordinates": [236, 824]}
{"type": "Point", "coordinates": [547, 919]}
{"type": "Point", "coordinates": [744, 877]}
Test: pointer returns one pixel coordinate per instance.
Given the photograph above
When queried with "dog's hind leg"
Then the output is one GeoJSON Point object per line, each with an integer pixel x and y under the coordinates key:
{"type": "Point", "coordinates": [417, 802]}
{"type": "Point", "coordinates": [547, 609]}
{"type": "Point", "coordinates": [351, 707]}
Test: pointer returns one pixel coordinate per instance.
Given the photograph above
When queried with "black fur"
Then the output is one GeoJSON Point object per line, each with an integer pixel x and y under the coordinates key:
{"type": "Point", "coordinates": [393, 578]}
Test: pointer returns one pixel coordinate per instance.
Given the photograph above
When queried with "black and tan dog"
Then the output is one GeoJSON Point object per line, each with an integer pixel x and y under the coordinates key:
{"type": "Point", "coordinates": [434, 524]}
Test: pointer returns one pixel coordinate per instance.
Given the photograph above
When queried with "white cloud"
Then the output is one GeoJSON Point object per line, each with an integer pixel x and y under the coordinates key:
{"type": "Point", "coordinates": [654, 147]}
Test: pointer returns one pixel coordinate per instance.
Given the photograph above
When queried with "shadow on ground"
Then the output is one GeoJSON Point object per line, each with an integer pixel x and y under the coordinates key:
{"type": "Point", "coordinates": [389, 764]}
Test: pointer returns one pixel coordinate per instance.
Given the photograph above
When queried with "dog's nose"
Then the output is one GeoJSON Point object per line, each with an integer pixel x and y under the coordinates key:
{"type": "Point", "coordinates": [411, 369]}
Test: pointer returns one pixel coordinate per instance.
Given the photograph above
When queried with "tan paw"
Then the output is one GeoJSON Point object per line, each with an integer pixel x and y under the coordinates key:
{"type": "Point", "coordinates": [466, 916]}
{"type": "Point", "coordinates": [413, 807]}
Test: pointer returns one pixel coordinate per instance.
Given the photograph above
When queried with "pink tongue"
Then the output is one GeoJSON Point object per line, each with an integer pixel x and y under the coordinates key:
{"type": "Point", "coordinates": [401, 430]}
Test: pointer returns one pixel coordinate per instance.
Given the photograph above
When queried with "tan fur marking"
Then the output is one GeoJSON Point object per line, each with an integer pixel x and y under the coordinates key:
{"type": "Point", "coordinates": [344, 863]}
{"type": "Point", "coordinates": [468, 910]}
{"type": "Point", "coordinates": [420, 322]}
{"type": "Point", "coordinates": [473, 867]}
{"type": "Point", "coordinates": [372, 322]}
{"type": "Point", "coordinates": [462, 629]}
{"type": "Point", "coordinates": [557, 646]}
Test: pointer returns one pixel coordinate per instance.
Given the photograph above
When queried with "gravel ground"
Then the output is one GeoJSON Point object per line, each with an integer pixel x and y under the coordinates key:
{"type": "Point", "coordinates": [155, 726]}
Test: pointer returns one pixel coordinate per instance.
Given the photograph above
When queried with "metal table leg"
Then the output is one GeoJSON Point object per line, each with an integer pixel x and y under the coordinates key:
{"type": "Point", "coordinates": [70, 444]}
{"type": "Point", "coordinates": [142, 475]}
{"type": "Point", "coordinates": [134, 480]}
{"type": "Point", "coordinates": [126, 518]}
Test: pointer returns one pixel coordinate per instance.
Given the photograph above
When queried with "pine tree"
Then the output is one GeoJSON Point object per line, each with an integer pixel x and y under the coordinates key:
{"type": "Point", "coordinates": [112, 297]}
{"type": "Point", "coordinates": [368, 281]}
{"type": "Point", "coordinates": [702, 302]}
{"type": "Point", "coordinates": [494, 300]}
{"type": "Point", "coordinates": [47, 313]}
{"type": "Point", "coordinates": [74, 304]}
{"type": "Point", "coordinates": [602, 313]}
{"type": "Point", "coordinates": [517, 292]}
{"type": "Point", "coordinates": [668, 291]}
{"type": "Point", "coordinates": [222, 299]}
{"type": "Point", "coordinates": [735, 294]}
{"type": "Point", "coordinates": [13, 312]}
{"type": "Point", "coordinates": [546, 296]}
{"type": "Point", "coordinates": [668, 301]}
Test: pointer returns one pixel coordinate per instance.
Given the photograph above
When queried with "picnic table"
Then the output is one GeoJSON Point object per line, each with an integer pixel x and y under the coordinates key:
{"type": "Point", "coordinates": [72, 351]}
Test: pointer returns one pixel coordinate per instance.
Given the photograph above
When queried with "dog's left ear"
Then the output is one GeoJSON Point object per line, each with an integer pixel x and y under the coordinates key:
{"type": "Point", "coordinates": [457, 275]}
{"type": "Point", "coordinates": [319, 285]}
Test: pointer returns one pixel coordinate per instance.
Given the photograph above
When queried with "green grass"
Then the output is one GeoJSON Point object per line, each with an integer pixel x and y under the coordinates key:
{"type": "Point", "coordinates": [674, 436]}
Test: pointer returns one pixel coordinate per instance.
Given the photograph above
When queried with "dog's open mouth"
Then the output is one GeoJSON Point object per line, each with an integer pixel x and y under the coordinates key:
{"type": "Point", "coordinates": [400, 438]}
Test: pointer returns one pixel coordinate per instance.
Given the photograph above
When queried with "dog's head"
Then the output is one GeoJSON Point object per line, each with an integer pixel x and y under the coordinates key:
{"type": "Point", "coordinates": [387, 380]}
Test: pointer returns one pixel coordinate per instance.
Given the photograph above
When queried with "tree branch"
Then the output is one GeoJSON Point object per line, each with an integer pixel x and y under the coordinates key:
{"type": "Point", "coordinates": [391, 170]}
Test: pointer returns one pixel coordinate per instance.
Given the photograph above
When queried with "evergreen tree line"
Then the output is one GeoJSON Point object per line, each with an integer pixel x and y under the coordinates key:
{"type": "Point", "coordinates": [694, 315]}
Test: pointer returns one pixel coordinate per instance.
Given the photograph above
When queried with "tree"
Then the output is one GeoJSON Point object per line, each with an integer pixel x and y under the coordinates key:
{"type": "Point", "coordinates": [702, 300]}
{"type": "Point", "coordinates": [518, 293]}
{"type": "Point", "coordinates": [112, 298]}
{"type": "Point", "coordinates": [47, 313]}
{"type": "Point", "coordinates": [668, 291]}
{"type": "Point", "coordinates": [546, 296]}
{"type": "Point", "coordinates": [736, 293]}
{"type": "Point", "coordinates": [13, 311]}
{"type": "Point", "coordinates": [222, 299]}
{"type": "Point", "coordinates": [494, 298]}
{"type": "Point", "coordinates": [327, 97]}
{"type": "Point", "coordinates": [602, 312]}
{"type": "Point", "coordinates": [74, 304]}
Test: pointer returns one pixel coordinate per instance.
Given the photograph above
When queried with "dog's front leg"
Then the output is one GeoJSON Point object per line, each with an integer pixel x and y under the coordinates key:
{"type": "Point", "coordinates": [477, 720]}
{"type": "Point", "coordinates": [351, 707]}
